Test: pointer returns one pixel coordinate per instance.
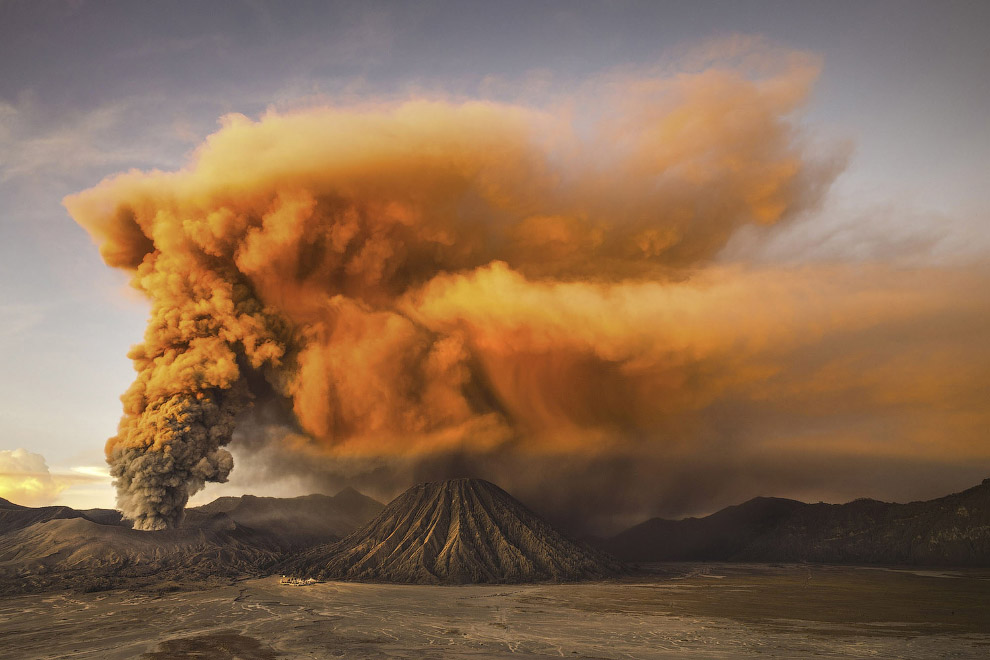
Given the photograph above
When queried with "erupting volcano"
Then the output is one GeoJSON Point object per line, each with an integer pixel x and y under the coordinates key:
{"type": "Point", "coordinates": [405, 281]}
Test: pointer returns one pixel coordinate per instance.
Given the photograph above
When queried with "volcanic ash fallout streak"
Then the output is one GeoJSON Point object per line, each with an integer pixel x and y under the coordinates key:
{"type": "Point", "coordinates": [350, 261]}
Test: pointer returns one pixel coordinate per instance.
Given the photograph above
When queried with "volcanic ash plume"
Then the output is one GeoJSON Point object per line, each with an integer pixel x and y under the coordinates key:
{"type": "Point", "coordinates": [326, 259]}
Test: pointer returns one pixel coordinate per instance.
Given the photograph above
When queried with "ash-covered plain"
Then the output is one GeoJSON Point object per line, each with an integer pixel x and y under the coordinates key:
{"type": "Point", "coordinates": [701, 610]}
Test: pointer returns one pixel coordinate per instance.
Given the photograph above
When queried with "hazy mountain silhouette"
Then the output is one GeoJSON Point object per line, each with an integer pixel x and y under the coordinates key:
{"type": "Point", "coordinates": [952, 530]}
{"type": "Point", "coordinates": [456, 531]}
{"type": "Point", "coordinates": [299, 521]}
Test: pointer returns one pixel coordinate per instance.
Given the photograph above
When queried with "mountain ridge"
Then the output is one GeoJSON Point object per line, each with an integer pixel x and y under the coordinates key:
{"type": "Point", "coordinates": [49, 548]}
{"type": "Point", "coordinates": [950, 530]}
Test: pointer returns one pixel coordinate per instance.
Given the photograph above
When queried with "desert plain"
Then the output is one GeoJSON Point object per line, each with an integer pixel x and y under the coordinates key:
{"type": "Point", "coordinates": [668, 611]}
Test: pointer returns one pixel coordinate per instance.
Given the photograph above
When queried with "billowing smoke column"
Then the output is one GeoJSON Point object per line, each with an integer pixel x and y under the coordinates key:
{"type": "Point", "coordinates": [394, 272]}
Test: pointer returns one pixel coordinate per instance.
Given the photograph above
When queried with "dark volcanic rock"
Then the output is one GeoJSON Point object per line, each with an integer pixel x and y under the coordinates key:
{"type": "Point", "coordinates": [457, 531]}
{"type": "Point", "coordinates": [952, 530]}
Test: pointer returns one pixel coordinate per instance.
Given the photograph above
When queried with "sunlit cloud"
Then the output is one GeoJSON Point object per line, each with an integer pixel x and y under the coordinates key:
{"type": "Point", "coordinates": [96, 471]}
{"type": "Point", "coordinates": [26, 480]}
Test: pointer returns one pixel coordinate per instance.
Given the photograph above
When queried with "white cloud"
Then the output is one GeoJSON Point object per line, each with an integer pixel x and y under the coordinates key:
{"type": "Point", "coordinates": [98, 471]}
{"type": "Point", "coordinates": [26, 480]}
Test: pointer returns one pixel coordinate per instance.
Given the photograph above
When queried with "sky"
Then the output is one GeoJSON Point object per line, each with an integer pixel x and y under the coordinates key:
{"type": "Point", "coordinates": [823, 340]}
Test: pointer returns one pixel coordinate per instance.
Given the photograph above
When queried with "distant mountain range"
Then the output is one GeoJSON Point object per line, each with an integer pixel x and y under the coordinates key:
{"type": "Point", "coordinates": [952, 530]}
{"type": "Point", "coordinates": [462, 530]}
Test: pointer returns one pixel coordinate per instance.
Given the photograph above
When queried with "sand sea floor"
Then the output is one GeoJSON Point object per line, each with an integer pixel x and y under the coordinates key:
{"type": "Point", "coordinates": [711, 611]}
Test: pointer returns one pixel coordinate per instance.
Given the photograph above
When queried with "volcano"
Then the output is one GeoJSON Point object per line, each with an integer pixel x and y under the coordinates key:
{"type": "Point", "coordinates": [455, 532]}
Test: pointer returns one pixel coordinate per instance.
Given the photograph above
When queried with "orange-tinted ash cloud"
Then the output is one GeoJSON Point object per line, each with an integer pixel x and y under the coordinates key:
{"type": "Point", "coordinates": [431, 277]}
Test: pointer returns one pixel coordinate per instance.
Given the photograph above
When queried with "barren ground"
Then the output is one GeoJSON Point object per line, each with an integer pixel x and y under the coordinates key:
{"type": "Point", "coordinates": [711, 611]}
